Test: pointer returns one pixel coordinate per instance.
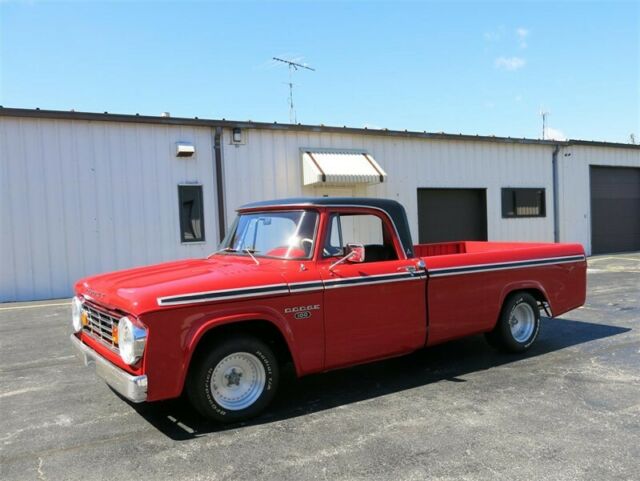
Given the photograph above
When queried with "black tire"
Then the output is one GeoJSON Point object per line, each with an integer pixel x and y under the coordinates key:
{"type": "Point", "coordinates": [502, 337]}
{"type": "Point", "coordinates": [199, 385]}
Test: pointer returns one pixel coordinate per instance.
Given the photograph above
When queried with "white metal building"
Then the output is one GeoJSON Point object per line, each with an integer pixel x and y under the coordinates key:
{"type": "Point", "coordinates": [82, 193]}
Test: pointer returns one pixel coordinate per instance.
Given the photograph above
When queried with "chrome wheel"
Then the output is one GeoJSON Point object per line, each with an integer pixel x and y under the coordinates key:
{"type": "Point", "coordinates": [522, 322]}
{"type": "Point", "coordinates": [238, 380]}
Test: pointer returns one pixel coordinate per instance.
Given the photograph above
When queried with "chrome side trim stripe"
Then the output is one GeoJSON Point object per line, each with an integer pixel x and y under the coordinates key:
{"type": "Point", "coordinates": [452, 271]}
{"type": "Point", "coordinates": [306, 286]}
{"type": "Point", "coordinates": [224, 294]}
{"type": "Point", "coordinates": [375, 279]}
{"type": "Point", "coordinates": [293, 288]}
{"type": "Point", "coordinates": [353, 281]}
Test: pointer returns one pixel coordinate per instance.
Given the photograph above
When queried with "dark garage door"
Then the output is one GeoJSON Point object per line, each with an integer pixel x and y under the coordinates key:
{"type": "Point", "coordinates": [452, 214]}
{"type": "Point", "coordinates": [615, 209]}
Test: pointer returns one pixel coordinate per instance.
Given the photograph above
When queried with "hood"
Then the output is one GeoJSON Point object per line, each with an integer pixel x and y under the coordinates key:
{"type": "Point", "coordinates": [138, 290]}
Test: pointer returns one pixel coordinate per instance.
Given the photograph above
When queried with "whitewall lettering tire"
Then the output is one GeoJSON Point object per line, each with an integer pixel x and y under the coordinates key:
{"type": "Point", "coordinates": [234, 381]}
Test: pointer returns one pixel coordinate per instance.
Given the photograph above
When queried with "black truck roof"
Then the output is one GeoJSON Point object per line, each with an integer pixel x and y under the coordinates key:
{"type": "Point", "coordinates": [393, 209]}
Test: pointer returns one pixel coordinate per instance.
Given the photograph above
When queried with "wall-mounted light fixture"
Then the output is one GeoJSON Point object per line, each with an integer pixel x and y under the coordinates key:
{"type": "Point", "coordinates": [185, 149]}
{"type": "Point", "coordinates": [237, 135]}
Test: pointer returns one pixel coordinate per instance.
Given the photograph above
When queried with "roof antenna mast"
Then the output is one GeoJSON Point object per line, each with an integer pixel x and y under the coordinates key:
{"type": "Point", "coordinates": [292, 66]}
{"type": "Point", "coordinates": [544, 114]}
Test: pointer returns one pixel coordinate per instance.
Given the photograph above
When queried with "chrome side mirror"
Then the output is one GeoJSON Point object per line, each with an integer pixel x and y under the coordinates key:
{"type": "Point", "coordinates": [355, 253]}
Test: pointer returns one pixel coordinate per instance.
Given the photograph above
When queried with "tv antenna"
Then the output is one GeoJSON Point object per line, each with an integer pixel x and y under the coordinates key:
{"type": "Point", "coordinates": [544, 114]}
{"type": "Point", "coordinates": [292, 67]}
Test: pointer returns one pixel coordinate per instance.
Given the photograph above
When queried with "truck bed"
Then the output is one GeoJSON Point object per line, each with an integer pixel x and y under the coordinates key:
{"type": "Point", "coordinates": [465, 247]}
{"type": "Point", "coordinates": [469, 280]}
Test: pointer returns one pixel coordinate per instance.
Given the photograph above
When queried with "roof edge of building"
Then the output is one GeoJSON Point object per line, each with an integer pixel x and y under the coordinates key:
{"type": "Point", "coordinates": [198, 122]}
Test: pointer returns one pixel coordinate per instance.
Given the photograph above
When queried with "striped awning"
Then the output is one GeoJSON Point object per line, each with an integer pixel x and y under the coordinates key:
{"type": "Point", "coordinates": [340, 167]}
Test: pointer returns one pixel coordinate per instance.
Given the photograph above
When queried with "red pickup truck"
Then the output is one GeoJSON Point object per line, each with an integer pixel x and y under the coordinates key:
{"type": "Point", "coordinates": [323, 283]}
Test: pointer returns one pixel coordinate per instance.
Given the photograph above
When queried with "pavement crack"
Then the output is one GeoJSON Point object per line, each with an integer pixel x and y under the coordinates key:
{"type": "Point", "coordinates": [41, 474]}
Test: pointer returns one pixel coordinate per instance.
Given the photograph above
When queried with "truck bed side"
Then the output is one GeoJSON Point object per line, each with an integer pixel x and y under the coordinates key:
{"type": "Point", "coordinates": [468, 281]}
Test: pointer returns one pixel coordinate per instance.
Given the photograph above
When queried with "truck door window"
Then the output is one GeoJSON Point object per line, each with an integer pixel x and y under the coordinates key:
{"type": "Point", "coordinates": [366, 229]}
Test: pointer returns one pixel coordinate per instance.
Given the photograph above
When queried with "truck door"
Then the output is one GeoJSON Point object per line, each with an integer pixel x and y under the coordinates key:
{"type": "Point", "coordinates": [375, 308]}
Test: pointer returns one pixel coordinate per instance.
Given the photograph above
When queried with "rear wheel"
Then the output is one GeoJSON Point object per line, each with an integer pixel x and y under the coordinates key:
{"type": "Point", "coordinates": [235, 381]}
{"type": "Point", "coordinates": [518, 325]}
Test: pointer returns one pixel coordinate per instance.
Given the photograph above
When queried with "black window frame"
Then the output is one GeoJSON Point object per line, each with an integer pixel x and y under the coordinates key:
{"type": "Point", "coordinates": [511, 203]}
{"type": "Point", "coordinates": [185, 229]}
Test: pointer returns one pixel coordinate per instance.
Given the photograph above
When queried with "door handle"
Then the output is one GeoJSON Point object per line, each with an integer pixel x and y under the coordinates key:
{"type": "Point", "coordinates": [420, 266]}
{"type": "Point", "coordinates": [411, 269]}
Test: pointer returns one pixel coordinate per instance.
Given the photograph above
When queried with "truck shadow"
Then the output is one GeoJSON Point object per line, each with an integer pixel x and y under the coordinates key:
{"type": "Point", "coordinates": [446, 362]}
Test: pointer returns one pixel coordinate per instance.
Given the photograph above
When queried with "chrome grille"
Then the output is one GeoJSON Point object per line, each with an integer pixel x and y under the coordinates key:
{"type": "Point", "coordinates": [100, 324]}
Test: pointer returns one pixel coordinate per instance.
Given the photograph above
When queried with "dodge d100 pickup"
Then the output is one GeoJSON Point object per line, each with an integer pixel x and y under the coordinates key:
{"type": "Point", "coordinates": [322, 283]}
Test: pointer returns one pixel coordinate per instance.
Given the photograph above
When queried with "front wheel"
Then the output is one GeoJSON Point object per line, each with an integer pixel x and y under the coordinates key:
{"type": "Point", "coordinates": [518, 325]}
{"type": "Point", "coordinates": [235, 381]}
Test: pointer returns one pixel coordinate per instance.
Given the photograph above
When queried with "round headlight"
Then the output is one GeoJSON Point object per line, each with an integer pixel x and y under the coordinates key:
{"type": "Point", "coordinates": [131, 340]}
{"type": "Point", "coordinates": [76, 314]}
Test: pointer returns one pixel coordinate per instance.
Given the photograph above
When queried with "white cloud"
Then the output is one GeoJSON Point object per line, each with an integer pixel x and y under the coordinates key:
{"type": "Point", "coordinates": [554, 134]}
{"type": "Point", "coordinates": [510, 63]}
{"type": "Point", "coordinates": [494, 35]}
{"type": "Point", "coordinates": [522, 34]}
{"type": "Point", "coordinates": [491, 36]}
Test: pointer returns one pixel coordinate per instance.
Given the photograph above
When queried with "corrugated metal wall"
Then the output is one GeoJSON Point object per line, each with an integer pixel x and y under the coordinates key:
{"type": "Point", "coordinates": [269, 166]}
{"type": "Point", "coordinates": [574, 192]}
{"type": "Point", "coordinates": [81, 197]}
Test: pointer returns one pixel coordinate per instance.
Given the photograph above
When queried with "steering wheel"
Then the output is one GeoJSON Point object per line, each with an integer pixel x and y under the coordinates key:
{"type": "Point", "coordinates": [327, 253]}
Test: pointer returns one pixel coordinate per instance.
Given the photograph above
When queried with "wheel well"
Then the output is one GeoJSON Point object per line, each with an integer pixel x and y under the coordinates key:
{"type": "Point", "coordinates": [537, 294]}
{"type": "Point", "coordinates": [263, 330]}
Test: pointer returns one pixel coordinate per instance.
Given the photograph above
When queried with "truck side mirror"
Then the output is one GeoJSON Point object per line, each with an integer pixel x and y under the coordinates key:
{"type": "Point", "coordinates": [355, 253]}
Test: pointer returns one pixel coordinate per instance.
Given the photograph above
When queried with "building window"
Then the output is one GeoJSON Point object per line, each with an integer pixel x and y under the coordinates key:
{"type": "Point", "coordinates": [523, 203]}
{"type": "Point", "coordinates": [191, 213]}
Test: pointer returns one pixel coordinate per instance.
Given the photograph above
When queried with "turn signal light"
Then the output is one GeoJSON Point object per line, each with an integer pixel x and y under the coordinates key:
{"type": "Point", "coordinates": [114, 334]}
{"type": "Point", "coordinates": [84, 318]}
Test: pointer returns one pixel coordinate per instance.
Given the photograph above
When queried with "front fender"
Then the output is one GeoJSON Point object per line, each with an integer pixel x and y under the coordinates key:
{"type": "Point", "coordinates": [267, 314]}
{"type": "Point", "coordinates": [174, 335]}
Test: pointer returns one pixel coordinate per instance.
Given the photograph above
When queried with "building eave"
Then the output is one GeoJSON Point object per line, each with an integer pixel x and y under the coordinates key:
{"type": "Point", "coordinates": [224, 123]}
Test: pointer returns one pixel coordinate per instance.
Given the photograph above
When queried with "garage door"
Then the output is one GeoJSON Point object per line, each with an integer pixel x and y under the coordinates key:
{"type": "Point", "coordinates": [452, 214]}
{"type": "Point", "coordinates": [615, 209]}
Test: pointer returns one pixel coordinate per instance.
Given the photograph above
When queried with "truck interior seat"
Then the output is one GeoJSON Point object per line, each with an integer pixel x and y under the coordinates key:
{"type": "Point", "coordinates": [378, 252]}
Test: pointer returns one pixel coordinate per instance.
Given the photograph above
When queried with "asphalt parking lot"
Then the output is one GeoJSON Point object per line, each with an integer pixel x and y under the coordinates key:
{"type": "Point", "coordinates": [569, 409]}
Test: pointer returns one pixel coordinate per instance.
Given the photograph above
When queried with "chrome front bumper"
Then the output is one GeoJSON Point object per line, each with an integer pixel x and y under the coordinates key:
{"type": "Point", "coordinates": [134, 388]}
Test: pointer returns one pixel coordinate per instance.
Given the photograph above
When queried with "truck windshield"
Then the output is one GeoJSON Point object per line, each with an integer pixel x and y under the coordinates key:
{"type": "Point", "coordinates": [283, 235]}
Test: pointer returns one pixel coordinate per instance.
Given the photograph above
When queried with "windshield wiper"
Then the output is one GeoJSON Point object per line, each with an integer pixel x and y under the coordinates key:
{"type": "Point", "coordinates": [224, 249]}
{"type": "Point", "coordinates": [250, 252]}
{"type": "Point", "coordinates": [230, 249]}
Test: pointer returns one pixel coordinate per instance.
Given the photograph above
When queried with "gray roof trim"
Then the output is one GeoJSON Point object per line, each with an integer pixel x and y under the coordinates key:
{"type": "Point", "coordinates": [197, 122]}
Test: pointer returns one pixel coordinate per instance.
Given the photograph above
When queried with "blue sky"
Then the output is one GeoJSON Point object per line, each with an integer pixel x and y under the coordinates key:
{"type": "Point", "coordinates": [475, 68]}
